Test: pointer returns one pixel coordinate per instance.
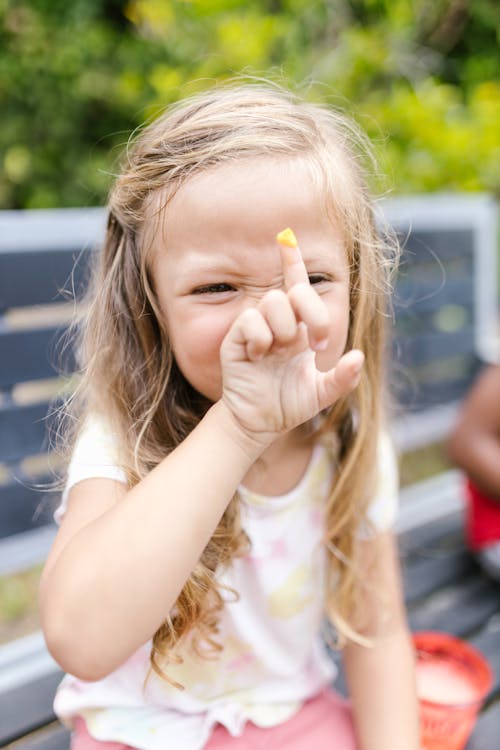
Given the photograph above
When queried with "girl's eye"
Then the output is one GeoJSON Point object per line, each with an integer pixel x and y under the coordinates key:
{"type": "Point", "coordinates": [213, 289]}
{"type": "Point", "coordinates": [316, 278]}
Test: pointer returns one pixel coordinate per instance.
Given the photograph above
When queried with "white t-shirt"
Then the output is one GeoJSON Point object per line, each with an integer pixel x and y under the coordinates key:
{"type": "Point", "coordinates": [273, 656]}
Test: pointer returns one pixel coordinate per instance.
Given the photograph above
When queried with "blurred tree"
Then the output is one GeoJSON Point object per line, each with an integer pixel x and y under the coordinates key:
{"type": "Point", "coordinates": [76, 77]}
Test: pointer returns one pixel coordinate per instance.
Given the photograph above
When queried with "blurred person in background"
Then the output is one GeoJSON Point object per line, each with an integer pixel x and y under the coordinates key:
{"type": "Point", "coordinates": [474, 446]}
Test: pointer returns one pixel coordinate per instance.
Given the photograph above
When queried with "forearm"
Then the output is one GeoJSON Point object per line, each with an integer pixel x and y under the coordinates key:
{"type": "Point", "coordinates": [381, 682]}
{"type": "Point", "coordinates": [474, 443]}
{"type": "Point", "coordinates": [478, 455]}
{"type": "Point", "coordinates": [129, 565]}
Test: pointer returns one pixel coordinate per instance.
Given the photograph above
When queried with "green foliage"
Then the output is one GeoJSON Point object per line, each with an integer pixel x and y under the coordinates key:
{"type": "Point", "coordinates": [18, 596]}
{"type": "Point", "coordinates": [76, 77]}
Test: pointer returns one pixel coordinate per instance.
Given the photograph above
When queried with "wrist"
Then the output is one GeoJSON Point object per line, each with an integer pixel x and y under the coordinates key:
{"type": "Point", "coordinates": [250, 444]}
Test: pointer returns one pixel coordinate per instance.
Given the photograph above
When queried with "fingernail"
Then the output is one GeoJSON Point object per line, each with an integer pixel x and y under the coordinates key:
{"type": "Point", "coordinates": [320, 345]}
{"type": "Point", "coordinates": [287, 237]}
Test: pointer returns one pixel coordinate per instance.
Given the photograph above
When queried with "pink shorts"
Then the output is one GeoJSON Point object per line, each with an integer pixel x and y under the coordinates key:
{"type": "Point", "coordinates": [323, 723]}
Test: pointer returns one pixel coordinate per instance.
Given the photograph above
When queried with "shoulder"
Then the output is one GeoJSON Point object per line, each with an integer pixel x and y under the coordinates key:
{"type": "Point", "coordinates": [95, 439]}
{"type": "Point", "coordinates": [484, 396]}
{"type": "Point", "coordinates": [383, 507]}
{"type": "Point", "coordinates": [479, 413]}
{"type": "Point", "coordinates": [95, 455]}
{"type": "Point", "coordinates": [383, 501]}
{"type": "Point", "coordinates": [387, 463]}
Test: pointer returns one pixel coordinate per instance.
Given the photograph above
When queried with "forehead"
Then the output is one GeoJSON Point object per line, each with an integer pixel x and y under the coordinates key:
{"type": "Point", "coordinates": [250, 199]}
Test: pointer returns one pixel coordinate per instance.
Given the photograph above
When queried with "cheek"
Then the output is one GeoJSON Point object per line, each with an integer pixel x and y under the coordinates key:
{"type": "Point", "coordinates": [196, 341]}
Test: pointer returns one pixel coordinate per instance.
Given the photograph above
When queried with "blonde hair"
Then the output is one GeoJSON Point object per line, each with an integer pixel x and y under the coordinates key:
{"type": "Point", "coordinates": [128, 370]}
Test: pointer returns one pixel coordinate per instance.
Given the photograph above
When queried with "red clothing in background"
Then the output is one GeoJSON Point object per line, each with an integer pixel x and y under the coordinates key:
{"type": "Point", "coordinates": [483, 518]}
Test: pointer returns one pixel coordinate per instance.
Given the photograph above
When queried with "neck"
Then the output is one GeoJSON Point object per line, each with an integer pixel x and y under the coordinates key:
{"type": "Point", "coordinates": [282, 465]}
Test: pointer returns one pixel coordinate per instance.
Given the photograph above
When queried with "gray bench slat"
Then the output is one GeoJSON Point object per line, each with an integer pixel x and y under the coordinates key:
{"type": "Point", "coordinates": [50, 228]}
{"type": "Point", "coordinates": [422, 245]}
{"type": "Point", "coordinates": [428, 574]}
{"type": "Point", "coordinates": [460, 609]}
{"type": "Point", "coordinates": [27, 707]}
{"type": "Point", "coordinates": [432, 347]}
{"type": "Point", "coordinates": [421, 396]}
{"type": "Point", "coordinates": [414, 324]}
{"type": "Point", "coordinates": [432, 386]}
{"type": "Point", "coordinates": [488, 642]}
{"type": "Point", "coordinates": [41, 278]}
{"type": "Point", "coordinates": [23, 507]}
{"type": "Point", "coordinates": [23, 430]}
{"type": "Point", "coordinates": [32, 355]}
{"type": "Point", "coordinates": [413, 299]}
{"type": "Point", "coordinates": [26, 549]}
{"type": "Point", "coordinates": [487, 730]}
{"type": "Point", "coordinates": [442, 533]}
{"type": "Point", "coordinates": [53, 737]}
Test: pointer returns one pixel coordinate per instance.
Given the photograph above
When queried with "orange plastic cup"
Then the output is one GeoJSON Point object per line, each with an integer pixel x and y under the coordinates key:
{"type": "Point", "coordinates": [453, 680]}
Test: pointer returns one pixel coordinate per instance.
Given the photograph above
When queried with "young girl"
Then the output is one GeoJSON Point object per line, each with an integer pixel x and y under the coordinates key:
{"type": "Point", "coordinates": [232, 482]}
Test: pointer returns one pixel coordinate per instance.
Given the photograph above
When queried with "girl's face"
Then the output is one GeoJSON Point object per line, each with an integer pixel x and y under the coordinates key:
{"type": "Point", "coordinates": [215, 254]}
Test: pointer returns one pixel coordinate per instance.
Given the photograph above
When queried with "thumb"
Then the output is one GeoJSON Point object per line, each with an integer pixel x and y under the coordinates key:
{"type": "Point", "coordinates": [341, 379]}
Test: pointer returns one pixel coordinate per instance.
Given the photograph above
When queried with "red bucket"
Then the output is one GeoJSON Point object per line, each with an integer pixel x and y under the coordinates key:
{"type": "Point", "coordinates": [453, 680]}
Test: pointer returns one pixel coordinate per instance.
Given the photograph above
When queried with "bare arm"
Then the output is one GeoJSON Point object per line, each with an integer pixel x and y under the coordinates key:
{"type": "Point", "coordinates": [474, 444]}
{"type": "Point", "coordinates": [121, 558]}
{"type": "Point", "coordinates": [381, 678]}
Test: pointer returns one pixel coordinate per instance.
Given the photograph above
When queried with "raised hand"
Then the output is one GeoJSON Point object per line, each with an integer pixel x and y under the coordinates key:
{"type": "Point", "coordinates": [271, 382]}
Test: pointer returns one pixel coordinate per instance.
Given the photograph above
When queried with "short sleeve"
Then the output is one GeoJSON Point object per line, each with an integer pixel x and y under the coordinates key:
{"type": "Point", "coordinates": [95, 455]}
{"type": "Point", "coordinates": [383, 509]}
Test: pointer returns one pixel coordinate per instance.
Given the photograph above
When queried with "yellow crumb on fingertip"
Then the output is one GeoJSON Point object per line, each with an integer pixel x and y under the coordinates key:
{"type": "Point", "coordinates": [287, 237]}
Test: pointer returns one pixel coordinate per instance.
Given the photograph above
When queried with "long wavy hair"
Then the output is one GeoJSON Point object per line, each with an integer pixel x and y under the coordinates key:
{"type": "Point", "coordinates": [127, 370]}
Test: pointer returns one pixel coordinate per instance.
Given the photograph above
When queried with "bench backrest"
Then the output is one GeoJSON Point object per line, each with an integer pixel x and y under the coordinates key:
{"type": "Point", "coordinates": [445, 305]}
{"type": "Point", "coordinates": [38, 251]}
{"type": "Point", "coordinates": [446, 308]}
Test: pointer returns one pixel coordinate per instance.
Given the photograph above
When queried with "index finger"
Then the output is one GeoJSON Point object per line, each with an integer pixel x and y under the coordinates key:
{"type": "Point", "coordinates": [292, 262]}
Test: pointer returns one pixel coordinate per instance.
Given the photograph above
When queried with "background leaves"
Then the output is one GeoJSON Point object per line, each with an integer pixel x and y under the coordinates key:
{"type": "Point", "coordinates": [76, 76]}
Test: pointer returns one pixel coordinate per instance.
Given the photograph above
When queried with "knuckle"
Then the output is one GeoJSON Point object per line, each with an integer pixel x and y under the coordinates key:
{"type": "Point", "coordinates": [298, 290]}
{"type": "Point", "coordinates": [250, 315]}
{"type": "Point", "coordinates": [267, 337]}
{"type": "Point", "coordinates": [272, 298]}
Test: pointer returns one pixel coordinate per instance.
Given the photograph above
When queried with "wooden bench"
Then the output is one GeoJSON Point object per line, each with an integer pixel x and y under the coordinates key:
{"type": "Point", "coordinates": [445, 316]}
